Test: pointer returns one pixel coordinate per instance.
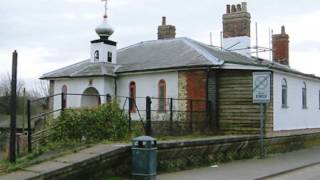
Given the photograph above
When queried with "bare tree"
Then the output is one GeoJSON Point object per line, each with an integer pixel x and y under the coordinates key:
{"type": "Point", "coordinates": [5, 85]}
{"type": "Point", "coordinates": [40, 89]}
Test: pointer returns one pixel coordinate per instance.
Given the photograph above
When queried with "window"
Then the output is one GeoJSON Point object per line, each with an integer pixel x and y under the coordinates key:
{"type": "Point", "coordinates": [304, 96]}
{"type": "Point", "coordinates": [109, 56]}
{"type": "Point", "coordinates": [132, 97]}
{"type": "Point", "coordinates": [284, 93]}
{"type": "Point", "coordinates": [64, 92]}
{"type": "Point", "coordinates": [162, 95]}
{"type": "Point", "coordinates": [96, 56]}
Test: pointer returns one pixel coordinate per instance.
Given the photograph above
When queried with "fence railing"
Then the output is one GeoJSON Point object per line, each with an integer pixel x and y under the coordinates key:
{"type": "Point", "coordinates": [155, 116]}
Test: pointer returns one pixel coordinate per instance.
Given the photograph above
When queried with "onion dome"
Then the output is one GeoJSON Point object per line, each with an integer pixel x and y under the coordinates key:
{"type": "Point", "coordinates": [104, 30]}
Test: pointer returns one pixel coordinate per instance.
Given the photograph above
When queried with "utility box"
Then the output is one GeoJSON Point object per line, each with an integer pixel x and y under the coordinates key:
{"type": "Point", "coordinates": [144, 158]}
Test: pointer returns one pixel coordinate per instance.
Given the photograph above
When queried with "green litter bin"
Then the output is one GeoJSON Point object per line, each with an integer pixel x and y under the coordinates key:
{"type": "Point", "coordinates": [144, 158]}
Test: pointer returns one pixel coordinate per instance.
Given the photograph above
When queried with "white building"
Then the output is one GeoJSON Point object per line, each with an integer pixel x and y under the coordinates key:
{"type": "Point", "coordinates": [186, 69]}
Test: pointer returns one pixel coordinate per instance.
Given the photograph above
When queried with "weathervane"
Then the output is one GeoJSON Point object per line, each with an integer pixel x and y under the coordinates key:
{"type": "Point", "coordinates": [105, 8]}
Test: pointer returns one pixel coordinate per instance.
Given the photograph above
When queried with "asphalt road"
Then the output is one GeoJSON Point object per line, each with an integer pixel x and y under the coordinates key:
{"type": "Point", "coordinates": [307, 173]}
{"type": "Point", "coordinates": [258, 168]}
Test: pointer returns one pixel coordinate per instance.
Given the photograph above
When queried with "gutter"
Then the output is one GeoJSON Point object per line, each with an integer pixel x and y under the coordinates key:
{"type": "Point", "coordinates": [178, 68]}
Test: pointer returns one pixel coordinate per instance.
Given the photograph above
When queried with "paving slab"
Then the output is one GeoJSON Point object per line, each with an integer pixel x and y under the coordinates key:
{"type": "Point", "coordinates": [102, 148]}
{"type": "Point", "coordinates": [19, 175]}
{"type": "Point", "coordinates": [46, 167]}
{"type": "Point", "coordinates": [77, 158]}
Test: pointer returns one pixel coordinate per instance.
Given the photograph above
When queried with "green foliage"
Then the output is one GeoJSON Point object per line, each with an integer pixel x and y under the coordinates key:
{"type": "Point", "coordinates": [106, 122]}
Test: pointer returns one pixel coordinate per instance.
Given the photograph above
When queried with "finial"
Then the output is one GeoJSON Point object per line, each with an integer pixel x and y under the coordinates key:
{"type": "Point", "coordinates": [105, 8]}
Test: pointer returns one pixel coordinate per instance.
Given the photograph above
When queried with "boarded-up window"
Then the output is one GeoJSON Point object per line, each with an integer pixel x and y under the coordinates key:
{"type": "Point", "coordinates": [304, 96]}
{"type": "Point", "coordinates": [132, 97]}
{"type": "Point", "coordinates": [162, 95]}
{"type": "Point", "coordinates": [284, 93]}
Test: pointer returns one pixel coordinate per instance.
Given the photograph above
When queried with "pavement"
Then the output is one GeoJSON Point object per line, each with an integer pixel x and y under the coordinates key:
{"type": "Point", "coordinates": [291, 165]}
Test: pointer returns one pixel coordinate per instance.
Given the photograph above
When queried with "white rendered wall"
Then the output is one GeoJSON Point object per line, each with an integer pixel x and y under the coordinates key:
{"type": "Point", "coordinates": [103, 52]}
{"type": "Point", "coordinates": [147, 85]}
{"type": "Point", "coordinates": [78, 86]}
{"type": "Point", "coordinates": [295, 117]}
{"type": "Point", "coordinates": [242, 42]}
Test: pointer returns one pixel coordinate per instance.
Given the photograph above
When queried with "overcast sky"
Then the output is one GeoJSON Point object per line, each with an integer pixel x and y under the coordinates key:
{"type": "Point", "coordinates": [51, 34]}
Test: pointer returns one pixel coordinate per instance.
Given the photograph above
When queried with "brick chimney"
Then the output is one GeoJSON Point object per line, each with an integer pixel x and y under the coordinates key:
{"type": "Point", "coordinates": [280, 46]}
{"type": "Point", "coordinates": [236, 29]}
{"type": "Point", "coordinates": [166, 31]}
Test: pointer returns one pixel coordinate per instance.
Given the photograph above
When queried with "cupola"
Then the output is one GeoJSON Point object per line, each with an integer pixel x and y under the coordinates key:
{"type": "Point", "coordinates": [104, 30]}
{"type": "Point", "coordinates": [103, 49]}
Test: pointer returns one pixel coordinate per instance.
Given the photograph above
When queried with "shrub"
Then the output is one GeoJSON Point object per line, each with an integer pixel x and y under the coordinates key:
{"type": "Point", "coordinates": [106, 122]}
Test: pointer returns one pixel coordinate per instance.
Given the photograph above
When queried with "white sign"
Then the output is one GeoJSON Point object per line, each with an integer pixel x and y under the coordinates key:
{"type": "Point", "coordinates": [261, 87]}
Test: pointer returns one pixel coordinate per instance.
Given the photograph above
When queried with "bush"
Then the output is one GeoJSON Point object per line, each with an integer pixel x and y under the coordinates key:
{"type": "Point", "coordinates": [106, 122]}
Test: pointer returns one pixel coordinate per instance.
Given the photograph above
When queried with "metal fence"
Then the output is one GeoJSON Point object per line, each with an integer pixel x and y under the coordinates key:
{"type": "Point", "coordinates": [4, 137]}
{"type": "Point", "coordinates": [148, 115]}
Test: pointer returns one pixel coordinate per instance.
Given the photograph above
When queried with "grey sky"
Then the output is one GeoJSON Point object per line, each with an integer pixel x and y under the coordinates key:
{"type": "Point", "coordinates": [50, 34]}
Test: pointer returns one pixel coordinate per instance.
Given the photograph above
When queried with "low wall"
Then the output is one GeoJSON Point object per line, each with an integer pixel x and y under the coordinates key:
{"type": "Point", "coordinates": [172, 155]}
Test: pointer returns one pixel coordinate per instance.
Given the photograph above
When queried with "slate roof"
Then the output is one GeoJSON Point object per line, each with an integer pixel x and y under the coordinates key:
{"type": "Point", "coordinates": [164, 54]}
{"type": "Point", "coordinates": [82, 69]}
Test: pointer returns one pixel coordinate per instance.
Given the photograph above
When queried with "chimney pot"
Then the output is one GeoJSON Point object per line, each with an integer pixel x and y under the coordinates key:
{"type": "Point", "coordinates": [228, 9]}
{"type": "Point", "coordinates": [283, 30]}
{"type": "Point", "coordinates": [239, 8]}
{"type": "Point", "coordinates": [164, 20]}
{"type": "Point", "coordinates": [233, 9]}
{"type": "Point", "coordinates": [244, 6]}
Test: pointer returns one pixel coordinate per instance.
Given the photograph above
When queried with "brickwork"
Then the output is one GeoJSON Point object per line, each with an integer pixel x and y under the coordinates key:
{"type": "Point", "coordinates": [166, 31]}
{"type": "Point", "coordinates": [280, 45]}
{"type": "Point", "coordinates": [236, 21]}
{"type": "Point", "coordinates": [193, 85]}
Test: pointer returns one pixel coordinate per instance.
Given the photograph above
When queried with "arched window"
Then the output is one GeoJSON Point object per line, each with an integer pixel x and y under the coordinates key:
{"type": "Point", "coordinates": [96, 56]}
{"type": "Point", "coordinates": [132, 97]}
{"type": "Point", "coordinates": [304, 95]}
{"type": "Point", "coordinates": [284, 93]}
{"type": "Point", "coordinates": [64, 92]}
{"type": "Point", "coordinates": [162, 95]}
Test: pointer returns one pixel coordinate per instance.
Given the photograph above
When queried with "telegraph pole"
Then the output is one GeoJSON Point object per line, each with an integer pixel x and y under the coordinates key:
{"type": "Point", "coordinates": [13, 108]}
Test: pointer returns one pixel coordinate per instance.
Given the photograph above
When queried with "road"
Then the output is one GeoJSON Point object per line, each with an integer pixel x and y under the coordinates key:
{"type": "Point", "coordinates": [307, 173]}
{"type": "Point", "coordinates": [258, 168]}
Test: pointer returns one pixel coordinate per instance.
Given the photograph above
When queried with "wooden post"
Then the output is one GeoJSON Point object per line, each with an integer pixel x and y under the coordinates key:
{"type": "Point", "coordinates": [13, 108]}
{"type": "Point", "coordinates": [29, 126]}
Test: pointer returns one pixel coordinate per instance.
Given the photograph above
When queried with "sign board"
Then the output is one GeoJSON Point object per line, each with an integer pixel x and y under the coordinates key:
{"type": "Point", "coordinates": [261, 87]}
